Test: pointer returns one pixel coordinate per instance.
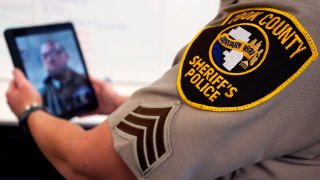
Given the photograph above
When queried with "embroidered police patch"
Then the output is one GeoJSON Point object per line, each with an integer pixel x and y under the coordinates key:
{"type": "Point", "coordinates": [245, 61]}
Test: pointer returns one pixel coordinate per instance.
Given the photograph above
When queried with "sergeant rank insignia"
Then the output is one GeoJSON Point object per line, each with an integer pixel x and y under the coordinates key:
{"type": "Point", "coordinates": [245, 61]}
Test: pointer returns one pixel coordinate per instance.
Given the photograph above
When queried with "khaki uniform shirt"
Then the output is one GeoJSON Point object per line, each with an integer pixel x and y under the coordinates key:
{"type": "Point", "coordinates": [240, 102]}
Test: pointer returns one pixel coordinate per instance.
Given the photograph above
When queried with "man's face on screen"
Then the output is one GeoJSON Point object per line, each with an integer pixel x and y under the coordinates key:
{"type": "Point", "coordinates": [54, 58]}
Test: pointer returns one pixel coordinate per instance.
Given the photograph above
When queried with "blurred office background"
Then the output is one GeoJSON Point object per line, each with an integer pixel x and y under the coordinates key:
{"type": "Point", "coordinates": [130, 42]}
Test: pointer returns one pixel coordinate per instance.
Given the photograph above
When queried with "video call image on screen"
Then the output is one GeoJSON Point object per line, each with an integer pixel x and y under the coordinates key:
{"type": "Point", "coordinates": [53, 64]}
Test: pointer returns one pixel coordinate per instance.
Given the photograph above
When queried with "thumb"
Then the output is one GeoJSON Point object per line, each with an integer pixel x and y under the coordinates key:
{"type": "Point", "coordinates": [19, 77]}
{"type": "Point", "coordinates": [96, 81]}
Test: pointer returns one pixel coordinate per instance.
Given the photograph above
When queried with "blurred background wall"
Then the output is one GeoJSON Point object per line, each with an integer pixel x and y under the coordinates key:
{"type": "Point", "coordinates": [130, 42]}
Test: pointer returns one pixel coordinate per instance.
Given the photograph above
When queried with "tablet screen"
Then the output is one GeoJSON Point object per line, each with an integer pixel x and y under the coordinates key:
{"type": "Point", "coordinates": [53, 63]}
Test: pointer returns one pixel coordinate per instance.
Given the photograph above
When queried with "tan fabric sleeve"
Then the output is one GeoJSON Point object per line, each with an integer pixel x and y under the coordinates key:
{"type": "Point", "coordinates": [226, 3]}
{"type": "Point", "coordinates": [202, 144]}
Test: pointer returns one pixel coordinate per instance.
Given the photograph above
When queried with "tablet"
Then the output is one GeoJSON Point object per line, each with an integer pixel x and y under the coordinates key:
{"type": "Point", "coordinates": [51, 59]}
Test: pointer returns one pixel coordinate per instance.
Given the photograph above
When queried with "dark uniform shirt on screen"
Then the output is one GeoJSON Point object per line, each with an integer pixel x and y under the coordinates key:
{"type": "Point", "coordinates": [62, 97]}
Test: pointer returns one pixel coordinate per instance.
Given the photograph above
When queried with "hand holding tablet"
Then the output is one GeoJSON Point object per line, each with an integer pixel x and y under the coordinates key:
{"type": "Point", "coordinates": [51, 59]}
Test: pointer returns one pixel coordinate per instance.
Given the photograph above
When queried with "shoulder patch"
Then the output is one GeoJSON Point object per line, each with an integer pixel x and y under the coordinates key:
{"type": "Point", "coordinates": [245, 61]}
{"type": "Point", "coordinates": [148, 129]}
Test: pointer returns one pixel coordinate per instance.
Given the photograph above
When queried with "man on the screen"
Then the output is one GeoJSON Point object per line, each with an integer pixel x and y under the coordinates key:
{"type": "Point", "coordinates": [64, 88]}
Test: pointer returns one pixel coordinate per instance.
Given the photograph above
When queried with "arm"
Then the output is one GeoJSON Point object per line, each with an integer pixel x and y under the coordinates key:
{"type": "Point", "coordinates": [76, 153]}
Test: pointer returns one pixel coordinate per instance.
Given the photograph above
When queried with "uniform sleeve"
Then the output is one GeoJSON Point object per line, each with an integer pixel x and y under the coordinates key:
{"type": "Point", "coordinates": [226, 3]}
{"type": "Point", "coordinates": [303, 164]}
{"type": "Point", "coordinates": [245, 91]}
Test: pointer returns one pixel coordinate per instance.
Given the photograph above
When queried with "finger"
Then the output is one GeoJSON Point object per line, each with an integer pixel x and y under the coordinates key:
{"type": "Point", "coordinates": [11, 86]}
{"type": "Point", "coordinates": [97, 84]}
{"type": "Point", "coordinates": [19, 77]}
{"type": "Point", "coordinates": [96, 81]}
{"type": "Point", "coordinates": [10, 91]}
{"type": "Point", "coordinates": [96, 87]}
